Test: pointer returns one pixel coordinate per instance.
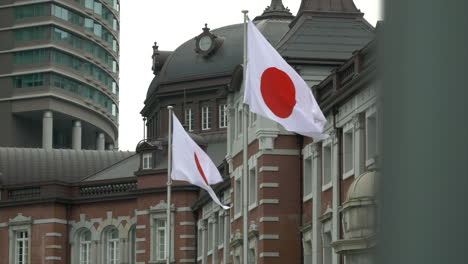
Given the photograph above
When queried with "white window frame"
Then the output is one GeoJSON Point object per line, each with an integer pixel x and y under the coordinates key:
{"type": "Point", "coordinates": [84, 245]}
{"type": "Point", "coordinates": [326, 247]}
{"type": "Point", "coordinates": [17, 225]}
{"type": "Point", "coordinates": [223, 117]}
{"type": "Point", "coordinates": [348, 134]}
{"type": "Point", "coordinates": [24, 250]}
{"type": "Point", "coordinates": [371, 114]}
{"type": "Point", "coordinates": [112, 256]}
{"type": "Point", "coordinates": [327, 145]}
{"type": "Point", "coordinates": [189, 118]}
{"type": "Point", "coordinates": [161, 229]}
{"type": "Point", "coordinates": [206, 117]}
{"type": "Point", "coordinates": [239, 119]}
{"type": "Point", "coordinates": [155, 214]}
{"type": "Point", "coordinates": [237, 195]}
{"type": "Point", "coordinates": [147, 161]}
{"type": "Point", "coordinates": [307, 178]}
{"type": "Point", "coordinates": [253, 188]}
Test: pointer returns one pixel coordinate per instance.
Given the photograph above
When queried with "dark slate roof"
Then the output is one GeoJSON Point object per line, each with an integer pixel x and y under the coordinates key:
{"type": "Point", "coordinates": [328, 6]}
{"type": "Point", "coordinates": [325, 38]}
{"type": "Point", "coordinates": [122, 169]}
{"type": "Point", "coordinates": [153, 86]}
{"type": "Point", "coordinates": [275, 10]}
{"type": "Point", "coordinates": [186, 64]}
{"type": "Point", "coordinates": [26, 166]}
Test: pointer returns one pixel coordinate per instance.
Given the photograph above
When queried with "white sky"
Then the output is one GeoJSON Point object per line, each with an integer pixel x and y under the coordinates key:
{"type": "Point", "coordinates": [171, 23]}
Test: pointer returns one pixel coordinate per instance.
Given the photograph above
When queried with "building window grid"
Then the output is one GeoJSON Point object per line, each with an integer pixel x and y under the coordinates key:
{"type": "Point", "coordinates": [223, 116]}
{"type": "Point", "coordinates": [220, 232]}
{"type": "Point", "coordinates": [113, 246]}
{"type": "Point", "coordinates": [85, 247]}
{"type": "Point", "coordinates": [253, 182]}
{"type": "Point", "coordinates": [206, 117]}
{"type": "Point", "coordinates": [348, 152]}
{"type": "Point", "coordinates": [189, 119]}
{"type": "Point", "coordinates": [147, 161]}
{"type": "Point", "coordinates": [161, 239]}
{"type": "Point", "coordinates": [210, 237]}
{"type": "Point", "coordinates": [307, 180]}
{"type": "Point", "coordinates": [21, 247]}
{"type": "Point", "coordinates": [327, 165]}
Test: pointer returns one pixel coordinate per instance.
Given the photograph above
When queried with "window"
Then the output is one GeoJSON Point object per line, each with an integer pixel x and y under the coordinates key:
{"type": "Point", "coordinates": [200, 242]}
{"type": "Point", "coordinates": [189, 119]}
{"type": "Point", "coordinates": [85, 247]}
{"type": "Point", "coordinates": [220, 229]}
{"type": "Point", "coordinates": [161, 239]}
{"type": "Point", "coordinates": [147, 161]}
{"type": "Point", "coordinates": [114, 87]}
{"type": "Point", "coordinates": [238, 195]}
{"type": "Point", "coordinates": [21, 247]}
{"type": "Point", "coordinates": [132, 245]}
{"type": "Point", "coordinates": [251, 256]}
{"type": "Point", "coordinates": [307, 178]}
{"type": "Point", "coordinates": [89, 4]}
{"type": "Point", "coordinates": [327, 249]}
{"type": "Point", "coordinates": [97, 30]}
{"type": "Point", "coordinates": [239, 121]}
{"type": "Point", "coordinates": [210, 236]}
{"type": "Point", "coordinates": [327, 163]}
{"type": "Point", "coordinates": [30, 80]}
{"type": "Point", "coordinates": [252, 118]}
{"type": "Point", "coordinates": [98, 8]}
{"type": "Point", "coordinates": [223, 116]}
{"type": "Point", "coordinates": [252, 187]}
{"type": "Point", "coordinates": [371, 137]}
{"type": "Point", "coordinates": [32, 33]}
{"type": "Point", "coordinates": [114, 110]}
{"type": "Point", "coordinates": [348, 153]}
{"type": "Point", "coordinates": [112, 246]}
{"type": "Point", "coordinates": [307, 252]}
{"type": "Point", "coordinates": [32, 11]}
{"type": "Point", "coordinates": [206, 117]}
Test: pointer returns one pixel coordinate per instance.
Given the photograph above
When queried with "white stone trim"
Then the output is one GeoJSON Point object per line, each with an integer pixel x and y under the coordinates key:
{"type": "Point", "coordinates": [269, 185]}
{"type": "Point", "coordinates": [279, 152]}
{"type": "Point", "coordinates": [187, 248]}
{"type": "Point", "coordinates": [50, 221]}
{"type": "Point", "coordinates": [187, 261]}
{"type": "Point", "coordinates": [144, 212]}
{"type": "Point", "coordinates": [307, 197]}
{"type": "Point", "coordinates": [140, 227]}
{"type": "Point", "coordinates": [269, 201]}
{"type": "Point", "coordinates": [53, 234]}
{"type": "Point", "coordinates": [269, 237]}
{"type": "Point", "coordinates": [183, 209]}
{"type": "Point", "coordinates": [53, 258]}
{"type": "Point", "coordinates": [187, 236]}
{"type": "Point", "coordinates": [269, 254]}
{"type": "Point", "coordinates": [187, 223]}
{"type": "Point", "coordinates": [269, 219]}
{"type": "Point", "coordinates": [327, 186]}
{"type": "Point", "coordinates": [141, 239]}
{"type": "Point", "coordinates": [3, 225]}
{"type": "Point", "coordinates": [141, 251]}
{"type": "Point", "coordinates": [54, 246]}
{"type": "Point", "coordinates": [269, 168]}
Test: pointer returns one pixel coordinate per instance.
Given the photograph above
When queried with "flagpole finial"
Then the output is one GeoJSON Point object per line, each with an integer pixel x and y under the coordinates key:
{"type": "Point", "coordinates": [170, 107]}
{"type": "Point", "coordinates": [245, 12]}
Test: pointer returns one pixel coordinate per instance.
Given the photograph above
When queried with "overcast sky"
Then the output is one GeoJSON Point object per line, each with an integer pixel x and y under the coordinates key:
{"type": "Point", "coordinates": [171, 23]}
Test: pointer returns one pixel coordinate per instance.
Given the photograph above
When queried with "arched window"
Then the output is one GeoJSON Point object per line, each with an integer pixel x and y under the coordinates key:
{"type": "Point", "coordinates": [132, 245]}
{"type": "Point", "coordinates": [85, 247]}
{"type": "Point", "coordinates": [112, 252]}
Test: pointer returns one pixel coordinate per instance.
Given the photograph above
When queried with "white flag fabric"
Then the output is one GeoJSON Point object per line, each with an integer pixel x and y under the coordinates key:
{"type": "Point", "coordinates": [190, 163]}
{"type": "Point", "coordinates": [273, 89]}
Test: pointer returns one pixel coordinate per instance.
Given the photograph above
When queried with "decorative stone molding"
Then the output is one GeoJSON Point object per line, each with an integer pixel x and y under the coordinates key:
{"type": "Point", "coordinates": [20, 219]}
{"type": "Point", "coordinates": [266, 138]}
{"type": "Point", "coordinates": [358, 122]}
{"type": "Point", "coordinates": [161, 207]}
{"type": "Point", "coordinates": [212, 219]}
{"type": "Point", "coordinates": [236, 239]}
{"type": "Point", "coordinates": [253, 229]}
{"type": "Point", "coordinates": [316, 150]}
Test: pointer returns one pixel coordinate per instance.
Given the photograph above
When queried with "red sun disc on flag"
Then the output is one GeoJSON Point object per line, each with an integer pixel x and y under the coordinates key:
{"type": "Point", "coordinates": [200, 169]}
{"type": "Point", "coordinates": [278, 92]}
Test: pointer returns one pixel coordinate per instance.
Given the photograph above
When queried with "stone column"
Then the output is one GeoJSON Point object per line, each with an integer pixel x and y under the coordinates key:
{"type": "Point", "coordinates": [336, 178]}
{"type": "Point", "coordinates": [110, 147]}
{"type": "Point", "coordinates": [214, 221]}
{"type": "Point", "coordinates": [316, 204]}
{"type": "Point", "coordinates": [359, 151]}
{"type": "Point", "coordinates": [76, 135]}
{"type": "Point", "coordinates": [47, 130]}
{"type": "Point", "coordinates": [100, 141]}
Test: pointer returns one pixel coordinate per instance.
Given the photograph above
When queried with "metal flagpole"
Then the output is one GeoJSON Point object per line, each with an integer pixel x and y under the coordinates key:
{"type": "Point", "coordinates": [245, 162]}
{"type": "Point", "coordinates": [169, 183]}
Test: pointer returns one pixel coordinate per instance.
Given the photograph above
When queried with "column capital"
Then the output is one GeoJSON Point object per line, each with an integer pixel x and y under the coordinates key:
{"type": "Point", "coordinates": [48, 114]}
{"type": "Point", "coordinates": [316, 150]}
{"type": "Point", "coordinates": [358, 122]}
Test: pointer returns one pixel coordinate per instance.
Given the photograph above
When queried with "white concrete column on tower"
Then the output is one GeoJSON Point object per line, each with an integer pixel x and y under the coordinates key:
{"type": "Point", "coordinates": [336, 195]}
{"type": "Point", "coordinates": [316, 204]}
{"type": "Point", "coordinates": [47, 130]}
{"type": "Point", "coordinates": [76, 135]}
{"type": "Point", "coordinates": [100, 141]}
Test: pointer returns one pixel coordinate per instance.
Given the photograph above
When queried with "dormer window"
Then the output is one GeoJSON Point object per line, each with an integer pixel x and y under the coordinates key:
{"type": "Point", "coordinates": [147, 161]}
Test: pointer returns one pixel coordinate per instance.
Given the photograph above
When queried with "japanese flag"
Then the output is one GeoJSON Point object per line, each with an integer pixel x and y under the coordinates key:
{"type": "Point", "coordinates": [190, 163]}
{"type": "Point", "coordinates": [273, 89]}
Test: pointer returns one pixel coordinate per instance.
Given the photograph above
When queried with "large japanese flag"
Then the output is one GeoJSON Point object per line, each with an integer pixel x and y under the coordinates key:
{"type": "Point", "coordinates": [190, 163]}
{"type": "Point", "coordinates": [273, 89]}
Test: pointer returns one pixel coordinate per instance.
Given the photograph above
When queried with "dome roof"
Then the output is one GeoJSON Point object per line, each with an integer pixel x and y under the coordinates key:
{"type": "Point", "coordinates": [184, 64]}
{"type": "Point", "coordinates": [364, 187]}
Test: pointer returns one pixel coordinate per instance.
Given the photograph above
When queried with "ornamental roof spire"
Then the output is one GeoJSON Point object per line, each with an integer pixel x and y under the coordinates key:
{"type": "Point", "coordinates": [341, 6]}
{"type": "Point", "coordinates": [275, 10]}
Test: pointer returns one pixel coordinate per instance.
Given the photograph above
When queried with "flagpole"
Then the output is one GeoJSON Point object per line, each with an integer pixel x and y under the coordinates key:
{"type": "Point", "coordinates": [169, 183]}
{"type": "Point", "coordinates": [245, 162]}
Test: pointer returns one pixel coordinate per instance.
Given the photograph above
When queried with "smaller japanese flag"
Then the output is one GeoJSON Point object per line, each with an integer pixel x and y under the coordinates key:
{"type": "Point", "coordinates": [273, 89]}
{"type": "Point", "coordinates": [190, 163]}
